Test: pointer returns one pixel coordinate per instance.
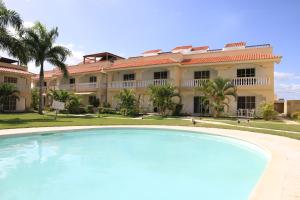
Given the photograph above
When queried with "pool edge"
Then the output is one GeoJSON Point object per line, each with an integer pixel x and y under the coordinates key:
{"type": "Point", "coordinates": [273, 183]}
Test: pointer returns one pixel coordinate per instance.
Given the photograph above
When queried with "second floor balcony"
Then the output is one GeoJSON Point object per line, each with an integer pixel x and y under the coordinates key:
{"type": "Point", "coordinates": [239, 82]}
{"type": "Point", "coordinates": [21, 87]}
{"type": "Point", "coordinates": [138, 84]}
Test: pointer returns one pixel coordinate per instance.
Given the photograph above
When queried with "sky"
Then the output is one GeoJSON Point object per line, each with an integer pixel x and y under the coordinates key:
{"type": "Point", "coordinates": [129, 27]}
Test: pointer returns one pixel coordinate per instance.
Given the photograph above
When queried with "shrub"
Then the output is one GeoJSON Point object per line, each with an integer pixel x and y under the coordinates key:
{"type": "Point", "coordinates": [89, 109]}
{"type": "Point", "coordinates": [162, 97]}
{"type": "Point", "coordinates": [127, 102]}
{"type": "Point", "coordinates": [295, 115]}
{"type": "Point", "coordinates": [73, 105]}
{"type": "Point", "coordinates": [177, 109]}
{"type": "Point", "coordinates": [105, 110]}
{"type": "Point", "coordinates": [268, 112]}
{"type": "Point", "coordinates": [34, 99]}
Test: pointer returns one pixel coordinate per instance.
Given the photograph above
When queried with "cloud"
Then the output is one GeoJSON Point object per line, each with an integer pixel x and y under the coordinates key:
{"type": "Point", "coordinates": [285, 75]}
{"type": "Point", "coordinates": [77, 55]}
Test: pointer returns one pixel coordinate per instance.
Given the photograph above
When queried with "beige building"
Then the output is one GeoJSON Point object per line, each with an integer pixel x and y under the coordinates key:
{"type": "Point", "coordinates": [251, 69]}
{"type": "Point", "coordinates": [11, 72]}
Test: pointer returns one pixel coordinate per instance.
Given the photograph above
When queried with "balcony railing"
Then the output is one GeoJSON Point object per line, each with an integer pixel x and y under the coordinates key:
{"type": "Point", "coordinates": [20, 87]}
{"type": "Point", "coordinates": [245, 81]}
{"type": "Point", "coordinates": [138, 84]}
{"type": "Point", "coordinates": [79, 86]}
{"type": "Point", "coordinates": [249, 81]}
{"type": "Point", "coordinates": [193, 82]}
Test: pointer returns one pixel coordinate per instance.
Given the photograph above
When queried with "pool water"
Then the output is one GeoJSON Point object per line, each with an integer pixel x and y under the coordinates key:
{"type": "Point", "coordinates": [128, 163]}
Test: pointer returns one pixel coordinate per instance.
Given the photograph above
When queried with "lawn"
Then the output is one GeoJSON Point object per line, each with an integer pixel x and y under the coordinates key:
{"type": "Point", "coordinates": [27, 120]}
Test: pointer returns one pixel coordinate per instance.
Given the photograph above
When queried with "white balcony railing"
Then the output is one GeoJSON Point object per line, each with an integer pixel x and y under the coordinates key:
{"type": "Point", "coordinates": [193, 82]}
{"type": "Point", "coordinates": [138, 84]}
{"type": "Point", "coordinates": [79, 86]}
{"type": "Point", "coordinates": [246, 81]}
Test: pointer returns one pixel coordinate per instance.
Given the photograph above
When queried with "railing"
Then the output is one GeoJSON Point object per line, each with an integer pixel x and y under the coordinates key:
{"type": "Point", "coordinates": [249, 81]}
{"type": "Point", "coordinates": [138, 84]}
{"type": "Point", "coordinates": [193, 82]}
{"type": "Point", "coordinates": [19, 86]}
{"type": "Point", "coordinates": [79, 86]}
{"type": "Point", "coordinates": [245, 81]}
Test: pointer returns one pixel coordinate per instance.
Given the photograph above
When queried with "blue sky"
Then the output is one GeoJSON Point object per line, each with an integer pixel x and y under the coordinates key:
{"type": "Point", "coordinates": [128, 27]}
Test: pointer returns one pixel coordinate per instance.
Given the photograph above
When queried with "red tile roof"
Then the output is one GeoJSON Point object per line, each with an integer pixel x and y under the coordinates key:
{"type": "Point", "coordinates": [16, 71]}
{"type": "Point", "coordinates": [236, 58]}
{"type": "Point", "coordinates": [182, 47]}
{"type": "Point", "coordinates": [235, 44]}
{"type": "Point", "coordinates": [142, 62]}
{"type": "Point", "coordinates": [200, 48]}
{"type": "Point", "coordinates": [152, 51]}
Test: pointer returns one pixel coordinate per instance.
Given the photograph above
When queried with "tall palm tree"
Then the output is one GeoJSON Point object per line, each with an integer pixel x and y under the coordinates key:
{"type": "Point", "coordinates": [7, 91]}
{"type": "Point", "coordinates": [40, 45]}
{"type": "Point", "coordinates": [8, 41]}
{"type": "Point", "coordinates": [217, 94]}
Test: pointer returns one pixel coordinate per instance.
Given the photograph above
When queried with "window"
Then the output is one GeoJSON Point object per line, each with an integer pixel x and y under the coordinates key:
{"type": "Point", "coordinates": [72, 80]}
{"type": "Point", "coordinates": [128, 77]}
{"type": "Point", "coordinates": [161, 75]}
{"type": "Point", "coordinates": [248, 72]}
{"type": "Point", "coordinates": [45, 84]}
{"type": "Point", "coordinates": [92, 99]}
{"type": "Point", "coordinates": [10, 104]}
{"type": "Point", "coordinates": [201, 75]}
{"type": "Point", "coordinates": [10, 79]}
{"type": "Point", "coordinates": [93, 79]}
{"type": "Point", "coordinates": [246, 102]}
{"type": "Point", "coordinates": [201, 106]}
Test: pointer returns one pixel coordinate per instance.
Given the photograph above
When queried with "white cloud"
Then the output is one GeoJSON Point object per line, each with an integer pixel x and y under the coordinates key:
{"type": "Point", "coordinates": [285, 75]}
{"type": "Point", "coordinates": [77, 55]}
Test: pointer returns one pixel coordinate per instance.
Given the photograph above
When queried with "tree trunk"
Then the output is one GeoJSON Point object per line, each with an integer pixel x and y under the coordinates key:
{"type": "Point", "coordinates": [41, 106]}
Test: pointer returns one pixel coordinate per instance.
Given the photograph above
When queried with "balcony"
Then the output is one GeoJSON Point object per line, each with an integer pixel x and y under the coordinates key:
{"type": "Point", "coordinates": [20, 87]}
{"type": "Point", "coordinates": [79, 87]}
{"type": "Point", "coordinates": [137, 84]}
{"type": "Point", "coordinates": [245, 81]}
{"type": "Point", "coordinates": [251, 81]}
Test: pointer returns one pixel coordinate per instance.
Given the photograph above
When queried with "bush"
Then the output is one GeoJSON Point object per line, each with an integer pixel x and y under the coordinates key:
{"type": "Point", "coordinates": [177, 109]}
{"type": "Point", "coordinates": [34, 99]}
{"type": "Point", "coordinates": [89, 109]}
{"type": "Point", "coordinates": [106, 110]}
{"type": "Point", "coordinates": [127, 102]}
{"type": "Point", "coordinates": [268, 112]}
{"type": "Point", "coordinates": [295, 115]}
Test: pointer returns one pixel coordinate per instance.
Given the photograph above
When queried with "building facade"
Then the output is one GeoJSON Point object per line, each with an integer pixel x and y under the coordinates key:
{"type": "Point", "coordinates": [104, 75]}
{"type": "Point", "coordinates": [11, 72]}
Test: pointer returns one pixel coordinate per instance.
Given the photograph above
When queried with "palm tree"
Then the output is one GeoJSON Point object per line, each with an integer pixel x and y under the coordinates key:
{"type": "Point", "coordinates": [128, 102]}
{"type": "Point", "coordinates": [8, 41]}
{"type": "Point", "coordinates": [162, 97]}
{"type": "Point", "coordinates": [40, 45]}
{"type": "Point", "coordinates": [7, 91]}
{"type": "Point", "coordinates": [217, 94]}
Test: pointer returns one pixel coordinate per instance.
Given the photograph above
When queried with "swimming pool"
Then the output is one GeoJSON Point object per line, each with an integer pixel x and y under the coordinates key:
{"type": "Point", "coordinates": [128, 163]}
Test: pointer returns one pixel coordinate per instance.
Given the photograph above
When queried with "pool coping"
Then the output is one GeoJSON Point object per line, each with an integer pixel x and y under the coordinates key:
{"type": "Point", "coordinates": [280, 179]}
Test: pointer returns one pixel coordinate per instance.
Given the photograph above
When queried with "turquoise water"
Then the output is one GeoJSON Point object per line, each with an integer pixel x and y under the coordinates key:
{"type": "Point", "coordinates": [133, 164]}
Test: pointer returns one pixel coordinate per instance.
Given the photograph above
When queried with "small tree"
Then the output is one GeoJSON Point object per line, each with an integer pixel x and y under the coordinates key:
{"type": "Point", "coordinates": [162, 97]}
{"type": "Point", "coordinates": [127, 102]}
{"type": "Point", "coordinates": [216, 94]}
{"type": "Point", "coordinates": [34, 99]}
{"type": "Point", "coordinates": [73, 104]}
{"type": "Point", "coordinates": [7, 91]}
{"type": "Point", "coordinates": [268, 112]}
{"type": "Point", "coordinates": [59, 95]}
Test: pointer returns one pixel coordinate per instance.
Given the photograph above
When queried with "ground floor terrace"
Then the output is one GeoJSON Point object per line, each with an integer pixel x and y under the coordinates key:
{"type": "Point", "coordinates": [247, 103]}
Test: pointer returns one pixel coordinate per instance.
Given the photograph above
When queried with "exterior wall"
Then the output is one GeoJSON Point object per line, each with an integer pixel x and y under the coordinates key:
{"type": "Point", "coordinates": [23, 85]}
{"type": "Point", "coordinates": [292, 106]}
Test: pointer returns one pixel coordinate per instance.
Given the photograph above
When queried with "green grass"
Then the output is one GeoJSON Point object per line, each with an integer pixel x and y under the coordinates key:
{"type": "Point", "coordinates": [27, 120]}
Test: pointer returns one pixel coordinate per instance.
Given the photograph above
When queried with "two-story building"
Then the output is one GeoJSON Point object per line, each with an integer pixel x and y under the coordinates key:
{"type": "Point", "coordinates": [250, 68]}
{"type": "Point", "coordinates": [13, 73]}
